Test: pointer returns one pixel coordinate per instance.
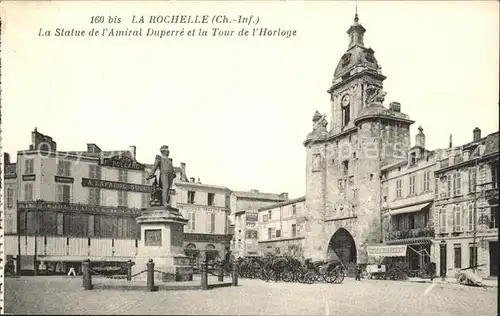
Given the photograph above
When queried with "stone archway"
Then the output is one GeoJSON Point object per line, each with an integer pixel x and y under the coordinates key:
{"type": "Point", "coordinates": [342, 246]}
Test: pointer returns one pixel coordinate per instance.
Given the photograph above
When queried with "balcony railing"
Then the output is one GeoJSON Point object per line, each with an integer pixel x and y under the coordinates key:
{"type": "Point", "coordinates": [410, 233]}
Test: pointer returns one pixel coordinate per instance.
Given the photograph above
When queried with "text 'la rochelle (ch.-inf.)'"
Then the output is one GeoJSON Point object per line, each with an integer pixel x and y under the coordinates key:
{"type": "Point", "coordinates": [167, 26]}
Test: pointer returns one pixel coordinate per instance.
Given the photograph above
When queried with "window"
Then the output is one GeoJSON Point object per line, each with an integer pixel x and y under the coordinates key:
{"type": "Point", "coordinates": [211, 199]}
{"type": "Point", "coordinates": [10, 198]}
{"type": "Point", "coordinates": [472, 255]}
{"type": "Point", "coordinates": [457, 223]}
{"type": "Point", "coordinates": [28, 191]}
{"type": "Point", "coordinates": [436, 188]}
{"type": "Point", "coordinates": [470, 217]}
{"type": "Point", "coordinates": [294, 230]}
{"type": "Point", "coordinates": [269, 233]}
{"type": "Point", "coordinates": [494, 175]}
{"type": "Point", "coordinates": [398, 188]}
{"type": "Point", "coordinates": [345, 164]}
{"type": "Point", "coordinates": [427, 181]}
{"type": "Point", "coordinates": [122, 175]}
{"type": "Point", "coordinates": [64, 168]}
{"type": "Point", "coordinates": [63, 193]}
{"type": "Point", "coordinates": [264, 218]}
{"type": "Point", "coordinates": [448, 179]}
{"type": "Point", "coordinates": [192, 221]}
{"type": "Point", "coordinates": [191, 197]}
{"type": "Point", "coordinates": [457, 256]}
{"type": "Point", "coordinates": [211, 222]}
{"type": "Point", "coordinates": [270, 213]}
{"type": "Point", "coordinates": [94, 196]}
{"type": "Point", "coordinates": [278, 233]}
{"type": "Point", "coordinates": [29, 166]}
{"type": "Point", "coordinates": [456, 184]}
{"type": "Point", "coordinates": [341, 184]}
{"type": "Point", "coordinates": [412, 186]}
{"type": "Point", "coordinates": [493, 223]}
{"type": "Point", "coordinates": [345, 115]}
{"type": "Point", "coordinates": [123, 198]}
{"type": "Point", "coordinates": [442, 221]}
{"type": "Point", "coordinates": [472, 179]}
{"type": "Point", "coordinates": [294, 209]}
{"type": "Point", "coordinates": [413, 158]}
{"type": "Point", "coordinates": [94, 172]}
{"type": "Point", "coordinates": [60, 223]}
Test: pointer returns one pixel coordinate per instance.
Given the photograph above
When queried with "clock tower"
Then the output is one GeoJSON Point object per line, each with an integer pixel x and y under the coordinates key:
{"type": "Point", "coordinates": [343, 187]}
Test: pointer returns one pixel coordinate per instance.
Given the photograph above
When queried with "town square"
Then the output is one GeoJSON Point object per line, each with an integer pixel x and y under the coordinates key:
{"type": "Point", "coordinates": [360, 200]}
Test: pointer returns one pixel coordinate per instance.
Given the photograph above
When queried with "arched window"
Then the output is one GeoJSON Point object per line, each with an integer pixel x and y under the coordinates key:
{"type": "Point", "coordinates": [190, 246]}
{"type": "Point", "coordinates": [345, 115]}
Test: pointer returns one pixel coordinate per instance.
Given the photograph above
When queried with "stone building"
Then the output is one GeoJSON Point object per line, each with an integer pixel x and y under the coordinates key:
{"type": "Point", "coordinates": [466, 207]}
{"type": "Point", "coordinates": [344, 163]}
{"type": "Point", "coordinates": [407, 204]}
{"type": "Point", "coordinates": [244, 217]}
{"type": "Point", "coordinates": [281, 228]}
{"type": "Point", "coordinates": [63, 207]}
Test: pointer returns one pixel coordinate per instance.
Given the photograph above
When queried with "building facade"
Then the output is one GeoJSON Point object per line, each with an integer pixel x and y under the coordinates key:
{"type": "Point", "coordinates": [466, 207]}
{"type": "Point", "coordinates": [344, 163]}
{"type": "Point", "coordinates": [407, 204]}
{"type": "Point", "coordinates": [244, 217]}
{"type": "Point", "coordinates": [207, 209]}
{"type": "Point", "coordinates": [64, 207]}
{"type": "Point", "coordinates": [281, 228]}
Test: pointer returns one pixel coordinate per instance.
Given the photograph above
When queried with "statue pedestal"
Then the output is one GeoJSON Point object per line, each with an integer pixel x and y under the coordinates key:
{"type": "Point", "coordinates": [162, 236]}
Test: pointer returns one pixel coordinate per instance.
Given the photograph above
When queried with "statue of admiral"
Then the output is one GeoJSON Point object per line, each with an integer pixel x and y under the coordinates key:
{"type": "Point", "coordinates": [167, 174]}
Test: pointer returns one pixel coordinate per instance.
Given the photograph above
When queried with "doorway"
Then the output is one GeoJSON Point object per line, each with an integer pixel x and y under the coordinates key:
{"type": "Point", "coordinates": [442, 259]}
{"type": "Point", "coordinates": [494, 258]}
{"type": "Point", "coordinates": [342, 246]}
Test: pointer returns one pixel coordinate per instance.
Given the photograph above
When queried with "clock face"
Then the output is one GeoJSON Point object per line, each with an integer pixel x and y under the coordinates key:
{"type": "Point", "coordinates": [346, 99]}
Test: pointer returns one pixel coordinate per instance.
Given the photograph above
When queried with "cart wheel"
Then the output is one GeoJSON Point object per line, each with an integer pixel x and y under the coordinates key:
{"type": "Point", "coordinates": [340, 277]}
{"type": "Point", "coordinates": [287, 276]}
{"type": "Point", "coordinates": [330, 276]}
{"type": "Point", "coordinates": [310, 277]}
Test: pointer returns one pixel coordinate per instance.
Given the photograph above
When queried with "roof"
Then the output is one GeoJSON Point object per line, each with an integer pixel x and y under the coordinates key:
{"type": "Point", "coordinates": [491, 143]}
{"type": "Point", "coordinates": [254, 194]}
{"type": "Point", "coordinates": [284, 203]}
{"type": "Point", "coordinates": [356, 55]}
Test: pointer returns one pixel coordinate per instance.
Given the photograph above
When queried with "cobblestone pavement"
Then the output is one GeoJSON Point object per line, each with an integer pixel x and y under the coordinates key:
{"type": "Point", "coordinates": [62, 295]}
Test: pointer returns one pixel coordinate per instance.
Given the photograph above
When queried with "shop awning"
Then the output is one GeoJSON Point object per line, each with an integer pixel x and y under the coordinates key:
{"type": "Point", "coordinates": [386, 251]}
{"type": "Point", "coordinates": [409, 209]}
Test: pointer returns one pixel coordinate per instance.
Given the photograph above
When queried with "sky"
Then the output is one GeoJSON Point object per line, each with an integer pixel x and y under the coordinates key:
{"type": "Point", "coordinates": [236, 110]}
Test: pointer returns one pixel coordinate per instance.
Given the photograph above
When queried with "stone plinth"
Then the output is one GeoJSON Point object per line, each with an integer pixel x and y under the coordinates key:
{"type": "Point", "coordinates": [162, 236]}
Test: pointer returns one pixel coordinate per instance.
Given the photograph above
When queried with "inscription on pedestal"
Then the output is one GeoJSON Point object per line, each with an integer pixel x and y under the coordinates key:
{"type": "Point", "coordinates": [152, 237]}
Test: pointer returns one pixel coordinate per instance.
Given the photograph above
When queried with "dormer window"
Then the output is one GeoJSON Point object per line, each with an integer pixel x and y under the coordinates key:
{"type": "Point", "coordinates": [345, 59]}
{"type": "Point", "coordinates": [413, 158]}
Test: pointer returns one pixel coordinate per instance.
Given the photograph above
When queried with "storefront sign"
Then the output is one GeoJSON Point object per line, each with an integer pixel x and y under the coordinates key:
{"type": "Point", "coordinates": [206, 237]}
{"type": "Point", "coordinates": [64, 179]}
{"type": "Point", "coordinates": [113, 185]}
{"type": "Point", "coordinates": [122, 162]}
{"type": "Point", "coordinates": [28, 177]}
{"type": "Point", "coordinates": [79, 208]}
{"type": "Point", "coordinates": [252, 217]}
{"type": "Point", "coordinates": [386, 251]}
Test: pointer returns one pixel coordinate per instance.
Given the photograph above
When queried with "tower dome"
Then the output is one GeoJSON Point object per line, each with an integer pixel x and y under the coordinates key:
{"type": "Point", "coordinates": [357, 54]}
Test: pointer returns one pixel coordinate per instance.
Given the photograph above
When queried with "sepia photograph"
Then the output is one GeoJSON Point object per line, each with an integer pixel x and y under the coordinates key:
{"type": "Point", "coordinates": [249, 157]}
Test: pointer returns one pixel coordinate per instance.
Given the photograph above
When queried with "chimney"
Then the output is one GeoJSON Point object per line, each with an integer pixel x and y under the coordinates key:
{"type": "Point", "coordinates": [6, 158]}
{"type": "Point", "coordinates": [284, 196]}
{"type": "Point", "coordinates": [420, 138]}
{"type": "Point", "coordinates": [133, 151]}
{"type": "Point", "coordinates": [199, 181]}
{"type": "Point", "coordinates": [183, 168]}
{"type": "Point", "coordinates": [451, 142]}
{"type": "Point", "coordinates": [476, 134]}
{"type": "Point", "coordinates": [191, 179]}
{"type": "Point", "coordinates": [395, 106]}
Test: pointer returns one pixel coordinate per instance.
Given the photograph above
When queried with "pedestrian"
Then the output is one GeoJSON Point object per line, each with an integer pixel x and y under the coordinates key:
{"type": "Point", "coordinates": [72, 271]}
{"type": "Point", "coordinates": [358, 272]}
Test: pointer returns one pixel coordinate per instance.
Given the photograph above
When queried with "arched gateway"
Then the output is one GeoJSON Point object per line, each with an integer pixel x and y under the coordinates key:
{"type": "Point", "coordinates": [342, 245]}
